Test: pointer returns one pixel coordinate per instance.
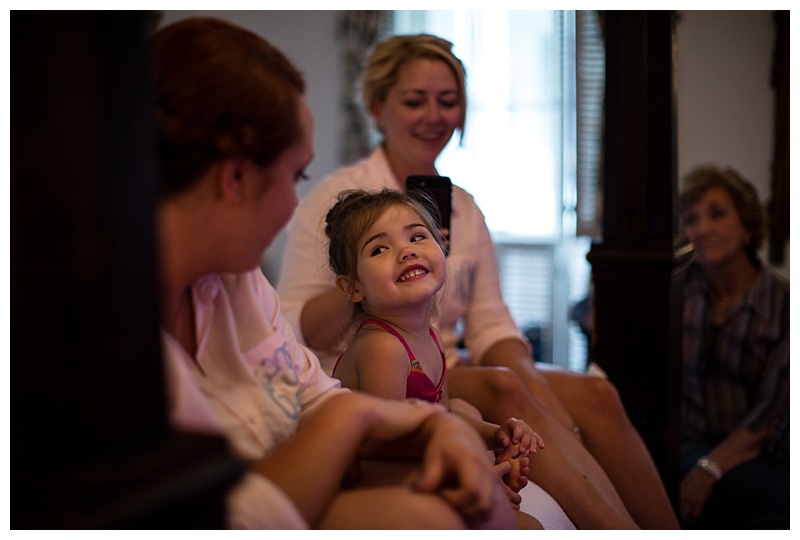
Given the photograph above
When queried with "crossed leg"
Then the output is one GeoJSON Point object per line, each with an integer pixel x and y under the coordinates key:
{"type": "Point", "coordinates": [607, 433]}
{"type": "Point", "coordinates": [400, 506]}
{"type": "Point", "coordinates": [565, 468]}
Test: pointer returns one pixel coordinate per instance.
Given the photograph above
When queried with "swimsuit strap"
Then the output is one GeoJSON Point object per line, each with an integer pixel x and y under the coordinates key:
{"type": "Point", "coordinates": [433, 335]}
{"type": "Point", "coordinates": [389, 328]}
{"type": "Point", "coordinates": [444, 361]}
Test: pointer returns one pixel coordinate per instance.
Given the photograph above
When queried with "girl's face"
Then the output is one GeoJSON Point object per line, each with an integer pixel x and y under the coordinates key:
{"type": "Point", "coordinates": [420, 113]}
{"type": "Point", "coordinates": [715, 229]}
{"type": "Point", "coordinates": [400, 264]}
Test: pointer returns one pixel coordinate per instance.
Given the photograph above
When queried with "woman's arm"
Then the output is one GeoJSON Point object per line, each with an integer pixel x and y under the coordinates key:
{"type": "Point", "coordinates": [455, 467]}
{"type": "Point", "coordinates": [739, 447]}
{"type": "Point", "coordinates": [310, 465]}
{"type": "Point", "coordinates": [324, 318]}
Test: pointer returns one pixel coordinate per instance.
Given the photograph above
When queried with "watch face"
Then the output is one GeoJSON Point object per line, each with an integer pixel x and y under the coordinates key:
{"type": "Point", "coordinates": [710, 467]}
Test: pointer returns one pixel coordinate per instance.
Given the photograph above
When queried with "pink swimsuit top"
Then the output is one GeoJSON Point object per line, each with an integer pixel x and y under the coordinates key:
{"type": "Point", "coordinates": [418, 385]}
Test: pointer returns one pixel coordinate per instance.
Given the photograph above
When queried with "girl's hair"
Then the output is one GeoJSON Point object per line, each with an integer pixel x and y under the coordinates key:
{"type": "Point", "coordinates": [744, 195]}
{"type": "Point", "coordinates": [220, 91]}
{"type": "Point", "coordinates": [389, 56]}
{"type": "Point", "coordinates": [356, 211]}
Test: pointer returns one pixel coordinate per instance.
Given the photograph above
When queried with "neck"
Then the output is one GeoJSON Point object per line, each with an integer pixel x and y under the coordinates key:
{"type": "Point", "coordinates": [402, 169]}
{"type": "Point", "coordinates": [181, 253]}
{"type": "Point", "coordinates": [412, 320]}
{"type": "Point", "coordinates": [732, 279]}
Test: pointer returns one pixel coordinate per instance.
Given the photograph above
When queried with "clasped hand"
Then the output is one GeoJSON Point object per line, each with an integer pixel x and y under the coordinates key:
{"type": "Point", "coordinates": [517, 441]}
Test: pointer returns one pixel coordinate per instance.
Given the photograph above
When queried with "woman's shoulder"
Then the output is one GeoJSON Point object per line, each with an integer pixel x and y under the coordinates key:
{"type": "Point", "coordinates": [464, 196]}
{"type": "Point", "coordinates": [464, 204]}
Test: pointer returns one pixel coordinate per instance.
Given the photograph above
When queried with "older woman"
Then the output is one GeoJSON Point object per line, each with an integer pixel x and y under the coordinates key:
{"type": "Point", "coordinates": [235, 136]}
{"type": "Point", "coordinates": [735, 454]}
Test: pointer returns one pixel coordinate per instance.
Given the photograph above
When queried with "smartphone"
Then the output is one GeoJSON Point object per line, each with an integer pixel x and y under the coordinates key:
{"type": "Point", "coordinates": [439, 191]}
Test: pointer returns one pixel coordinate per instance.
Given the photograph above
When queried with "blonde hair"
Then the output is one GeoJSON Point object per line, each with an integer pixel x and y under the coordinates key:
{"type": "Point", "coordinates": [389, 56]}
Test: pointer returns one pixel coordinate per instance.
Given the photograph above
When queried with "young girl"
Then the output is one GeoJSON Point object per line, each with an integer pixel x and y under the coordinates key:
{"type": "Point", "coordinates": [388, 259]}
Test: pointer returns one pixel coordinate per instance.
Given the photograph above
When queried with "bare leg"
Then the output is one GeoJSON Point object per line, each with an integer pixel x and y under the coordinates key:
{"type": "Point", "coordinates": [564, 469]}
{"type": "Point", "coordinates": [400, 506]}
{"type": "Point", "coordinates": [396, 507]}
{"type": "Point", "coordinates": [610, 437]}
{"type": "Point", "coordinates": [527, 521]}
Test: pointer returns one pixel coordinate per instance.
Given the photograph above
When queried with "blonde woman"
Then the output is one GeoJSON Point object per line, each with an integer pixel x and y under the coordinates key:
{"type": "Point", "coordinates": [596, 467]}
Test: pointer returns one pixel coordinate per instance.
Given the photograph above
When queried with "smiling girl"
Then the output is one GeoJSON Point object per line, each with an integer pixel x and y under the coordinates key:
{"type": "Point", "coordinates": [389, 262]}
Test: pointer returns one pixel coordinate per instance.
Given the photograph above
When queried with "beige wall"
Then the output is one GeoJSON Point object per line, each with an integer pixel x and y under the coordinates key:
{"type": "Point", "coordinates": [725, 97]}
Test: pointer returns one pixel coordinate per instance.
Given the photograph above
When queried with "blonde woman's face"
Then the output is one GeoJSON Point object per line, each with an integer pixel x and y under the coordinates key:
{"type": "Point", "coordinates": [420, 113]}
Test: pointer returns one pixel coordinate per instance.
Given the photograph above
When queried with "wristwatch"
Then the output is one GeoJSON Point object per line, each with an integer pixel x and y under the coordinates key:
{"type": "Point", "coordinates": [710, 467]}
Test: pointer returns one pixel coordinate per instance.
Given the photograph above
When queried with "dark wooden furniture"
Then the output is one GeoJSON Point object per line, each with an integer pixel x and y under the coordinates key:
{"type": "Point", "coordinates": [90, 443]}
{"type": "Point", "coordinates": [778, 209]}
{"type": "Point", "coordinates": [636, 308]}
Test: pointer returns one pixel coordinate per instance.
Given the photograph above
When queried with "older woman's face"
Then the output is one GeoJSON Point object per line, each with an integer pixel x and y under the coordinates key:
{"type": "Point", "coordinates": [420, 112]}
{"type": "Point", "coordinates": [715, 228]}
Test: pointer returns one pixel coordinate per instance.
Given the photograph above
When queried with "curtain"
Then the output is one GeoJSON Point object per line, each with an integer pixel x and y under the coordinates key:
{"type": "Point", "coordinates": [358, 31]}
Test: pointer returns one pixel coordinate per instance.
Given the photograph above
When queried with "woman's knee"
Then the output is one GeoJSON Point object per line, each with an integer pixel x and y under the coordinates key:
{"type": "Point", "coordinates": [604, 394]}
{"type": "Point", "coordinates": [400, 508]}
{"type": "Point", "coordinates": [597, 396]}
{"type": "Point", "coordinates": [431, 512]}
{"type": "Point", "coordinates": [505, 384]}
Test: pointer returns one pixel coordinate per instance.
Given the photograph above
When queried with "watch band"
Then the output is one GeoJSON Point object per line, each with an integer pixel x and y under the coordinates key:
{"type": "Point", "coordinates": [710, 467]}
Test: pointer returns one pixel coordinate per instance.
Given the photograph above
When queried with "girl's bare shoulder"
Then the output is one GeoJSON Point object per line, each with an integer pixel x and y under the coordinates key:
{"type": "Point", "coordinates": [372, 341]}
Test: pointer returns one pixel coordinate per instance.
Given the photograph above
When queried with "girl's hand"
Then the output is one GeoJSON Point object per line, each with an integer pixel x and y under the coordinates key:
{"type": "Point", "coordinates": [503, 469]}
{"type": "Point", "coordinates": [516, 432]}
{"type": "Point", "coordinates": [517, 476]}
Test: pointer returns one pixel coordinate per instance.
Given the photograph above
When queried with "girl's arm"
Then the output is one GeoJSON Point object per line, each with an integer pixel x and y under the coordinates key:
{"type": "Point", "coordinates": [496, 437]}
{"type": "Point", "coordinates": [472, 417]}
{"type": "Point", "coordinates": [381, 363]}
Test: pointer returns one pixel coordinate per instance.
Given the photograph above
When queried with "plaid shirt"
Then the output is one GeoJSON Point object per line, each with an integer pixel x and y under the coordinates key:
{"type": "Point", "coordinates": [737, 375]}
